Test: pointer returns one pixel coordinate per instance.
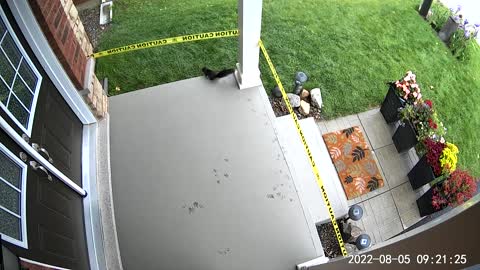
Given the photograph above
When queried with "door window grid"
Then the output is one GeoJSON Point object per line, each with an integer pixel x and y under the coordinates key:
{"type": "Point", "coordinates": [19, 101]}
{"type": "Point", "coordinates": [13, 223]}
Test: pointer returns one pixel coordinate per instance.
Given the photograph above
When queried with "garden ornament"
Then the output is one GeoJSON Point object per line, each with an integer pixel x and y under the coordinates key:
{"type": "Point", "coordinates": [355, 212]}
{"type": "Point", "coordinates": [300, 79]}
{"type": "Point", "coordinates": [363, 241]}
{"type": "Point", "coordinates": [298, 88]}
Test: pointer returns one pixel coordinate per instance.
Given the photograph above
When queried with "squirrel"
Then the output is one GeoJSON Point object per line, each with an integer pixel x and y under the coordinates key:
{"type": "Point", "coordinates": [212, 75]}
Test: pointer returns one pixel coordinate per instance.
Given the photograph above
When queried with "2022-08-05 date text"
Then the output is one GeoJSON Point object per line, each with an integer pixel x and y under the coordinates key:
{"type": "Point", "coordinates": [419, 259]}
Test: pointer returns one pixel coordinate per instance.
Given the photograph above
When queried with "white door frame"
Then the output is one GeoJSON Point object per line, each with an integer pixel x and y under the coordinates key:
{"type": "Point", "coordinates": [38, 43]}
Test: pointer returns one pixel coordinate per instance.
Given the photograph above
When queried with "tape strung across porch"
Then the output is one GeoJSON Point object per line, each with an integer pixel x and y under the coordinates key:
{"type": "Point", "coordinates": [307, 150]}
{"type": "Point", "coordinates": [166, 41]}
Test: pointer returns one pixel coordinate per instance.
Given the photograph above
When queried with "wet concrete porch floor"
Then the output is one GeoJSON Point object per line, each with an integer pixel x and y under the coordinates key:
{"type": "Point", "coordinates": [200, 182]}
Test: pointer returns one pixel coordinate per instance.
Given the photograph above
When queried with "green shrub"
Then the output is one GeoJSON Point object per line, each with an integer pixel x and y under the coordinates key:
{"type": "Point", "coordinates": [438, 15]}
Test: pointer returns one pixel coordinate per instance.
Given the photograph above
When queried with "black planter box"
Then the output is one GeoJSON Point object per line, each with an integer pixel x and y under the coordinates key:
{"type": "Point", "coordinates": [425, 8]}
{"type": "Point", "coordinates": [424, 203]}
{"type": "Point", "coordinates": [405, 137]}
{"type": "Point", "coordinates": [391, 105]}
{"type": "Point", "coordinates": [421, 174]}
{"type": "Point", "coordinates": [448, 29]}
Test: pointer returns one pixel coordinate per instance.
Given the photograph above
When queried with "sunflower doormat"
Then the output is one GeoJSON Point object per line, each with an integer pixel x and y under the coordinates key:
{"type": "Point", "coordinates": [354, 162]}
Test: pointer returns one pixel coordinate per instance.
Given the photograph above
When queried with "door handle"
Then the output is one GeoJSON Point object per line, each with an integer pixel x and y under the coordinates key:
{"type": "Point", "coordinates": [23, 156]}
{"type": "Point", "coordinates": [41, 150]}
{"type": "Point", "coordinates": [35, 166]}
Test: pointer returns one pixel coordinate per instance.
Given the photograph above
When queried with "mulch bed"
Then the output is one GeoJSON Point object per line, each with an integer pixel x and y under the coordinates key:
{"type": "Point", "coordinates": [91, 22]}
{"type": "Point", "coordinates": [329, 241]}
{"type": "Point", "coordinates": [280, 109]}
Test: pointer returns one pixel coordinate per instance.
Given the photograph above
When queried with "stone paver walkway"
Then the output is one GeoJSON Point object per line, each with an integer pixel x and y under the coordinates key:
{"type": "Point", "coordinates": [392, 208]}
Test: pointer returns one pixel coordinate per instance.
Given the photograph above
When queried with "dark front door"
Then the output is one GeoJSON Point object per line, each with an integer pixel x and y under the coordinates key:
{"type": "Point", "coordinates": [54, 231]}
{"type": "Point", "coordinates": [54, 216]}
{"type": "Point", "coordinates": [58, 130]}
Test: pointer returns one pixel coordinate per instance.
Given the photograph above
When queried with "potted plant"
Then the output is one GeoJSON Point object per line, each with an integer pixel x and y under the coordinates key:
{"type": "Point", "coordinates": [459, 187]}
{"type": "Point", "coordinates": [419, 121]}
{"type": "Point", "coordinates": [440, 159]}
{"type": "Point", "coordinates": [451, 25]}
{"type": "Point", "coordinates": [464, 38]}
{"type": "Point", "coordinates": [399, 93]}
{"type": "Point", "coordinates": [427, 168]}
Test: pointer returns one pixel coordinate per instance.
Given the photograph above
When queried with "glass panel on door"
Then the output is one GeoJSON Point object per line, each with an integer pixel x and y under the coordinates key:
{"type": "Point", "coordinates": [19, 79]}
{"type": "Point", "coordinates": [12, 198]}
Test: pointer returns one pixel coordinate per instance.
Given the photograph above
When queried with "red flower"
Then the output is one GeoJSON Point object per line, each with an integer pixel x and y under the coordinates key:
{"type": "Point", "coordinates": [429, 103]}
{"type": "Point", "coordinates": [434, 150]}
{"type": "Point", "coordinates": [457, 189]}
{"type": "Point", "coordinates": [432, 124]}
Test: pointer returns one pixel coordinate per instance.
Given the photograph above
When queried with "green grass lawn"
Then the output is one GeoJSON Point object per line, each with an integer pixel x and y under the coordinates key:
{"type": "Point", "coordinates": [349, 49]}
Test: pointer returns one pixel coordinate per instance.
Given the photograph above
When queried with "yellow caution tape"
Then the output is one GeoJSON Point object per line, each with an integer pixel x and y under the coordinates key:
{"type": "Point", "coordinates": [166, 41]}
{"type": "Point", "coordinates": [307, 150]}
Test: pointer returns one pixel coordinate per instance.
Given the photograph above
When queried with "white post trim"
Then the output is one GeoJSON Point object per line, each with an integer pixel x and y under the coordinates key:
{"type": "Point", "coordinates": [249, 23]}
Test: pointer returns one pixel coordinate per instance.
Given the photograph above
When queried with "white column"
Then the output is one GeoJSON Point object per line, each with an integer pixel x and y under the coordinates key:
{"type": "Point", "coordinates": [249, 23]}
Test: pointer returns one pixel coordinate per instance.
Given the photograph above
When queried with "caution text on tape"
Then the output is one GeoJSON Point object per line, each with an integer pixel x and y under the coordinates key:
{"type": "Point", "coordinates": [307, 150]}
{"type": "Point", "coordinates": [166, 41]}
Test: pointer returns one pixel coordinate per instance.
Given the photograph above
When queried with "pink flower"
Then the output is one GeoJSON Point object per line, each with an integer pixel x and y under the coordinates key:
{"type": "Point", "coordinates": [414, 85]}
{"type": "Point", "coordinates": [419, 96]}
{"type": "Point", "coordinates": [415, 94]}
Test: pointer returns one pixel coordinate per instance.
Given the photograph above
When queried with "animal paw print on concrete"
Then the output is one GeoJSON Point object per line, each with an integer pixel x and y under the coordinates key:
{"type": "Point", "coordinates": [224, 251]}
{"type": "Point", "coordinates": [219, 176]}
{"type": "Point", "coordinates": [191, 208]}
{"type": "Point", "coordinates": [282, 192]}
{"type": "Point", "coordinates": [283, 174]}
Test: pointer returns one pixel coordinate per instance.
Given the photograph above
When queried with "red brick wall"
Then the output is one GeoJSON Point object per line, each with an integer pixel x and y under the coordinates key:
{"type": "Point", "coordinates": [57, 27]}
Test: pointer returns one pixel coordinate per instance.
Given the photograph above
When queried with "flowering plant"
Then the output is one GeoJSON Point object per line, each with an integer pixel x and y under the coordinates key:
{"type": "Point", "coordinates": [448, 158]}
{"type": "Point", "coordinates": [434, 151]}
{"type": "Point", "coordinates": [408, 89]}
{"type": "Point", "coordinates": [459, 187]}
{"type": "Point", "coordinates": [464, 39]}
{"type": "Point", "coordinates": [470, 30]}
{"type": "Point", "coordinates": [456, 14]}
{"type": "Point", "coordinates": [425, 120]}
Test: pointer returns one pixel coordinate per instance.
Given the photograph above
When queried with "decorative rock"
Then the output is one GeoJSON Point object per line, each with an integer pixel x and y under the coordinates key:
{"type": "Point", "coordinates": [304, 108]}
{"type": "Point", "coordinates": [355, 232]}
{"type": "Point", "coordinates": [316, 97]}
{"type": "Point", "coordinates": [351, 249]}
{"type": "Point", "coordinates": [301, 77]}
{"type": "Point", "coordinates": [304, 94]}
{"type": "Point", "coordinates": [294, 100]}
{"type": "Point", "coordinates": [276, 92]}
